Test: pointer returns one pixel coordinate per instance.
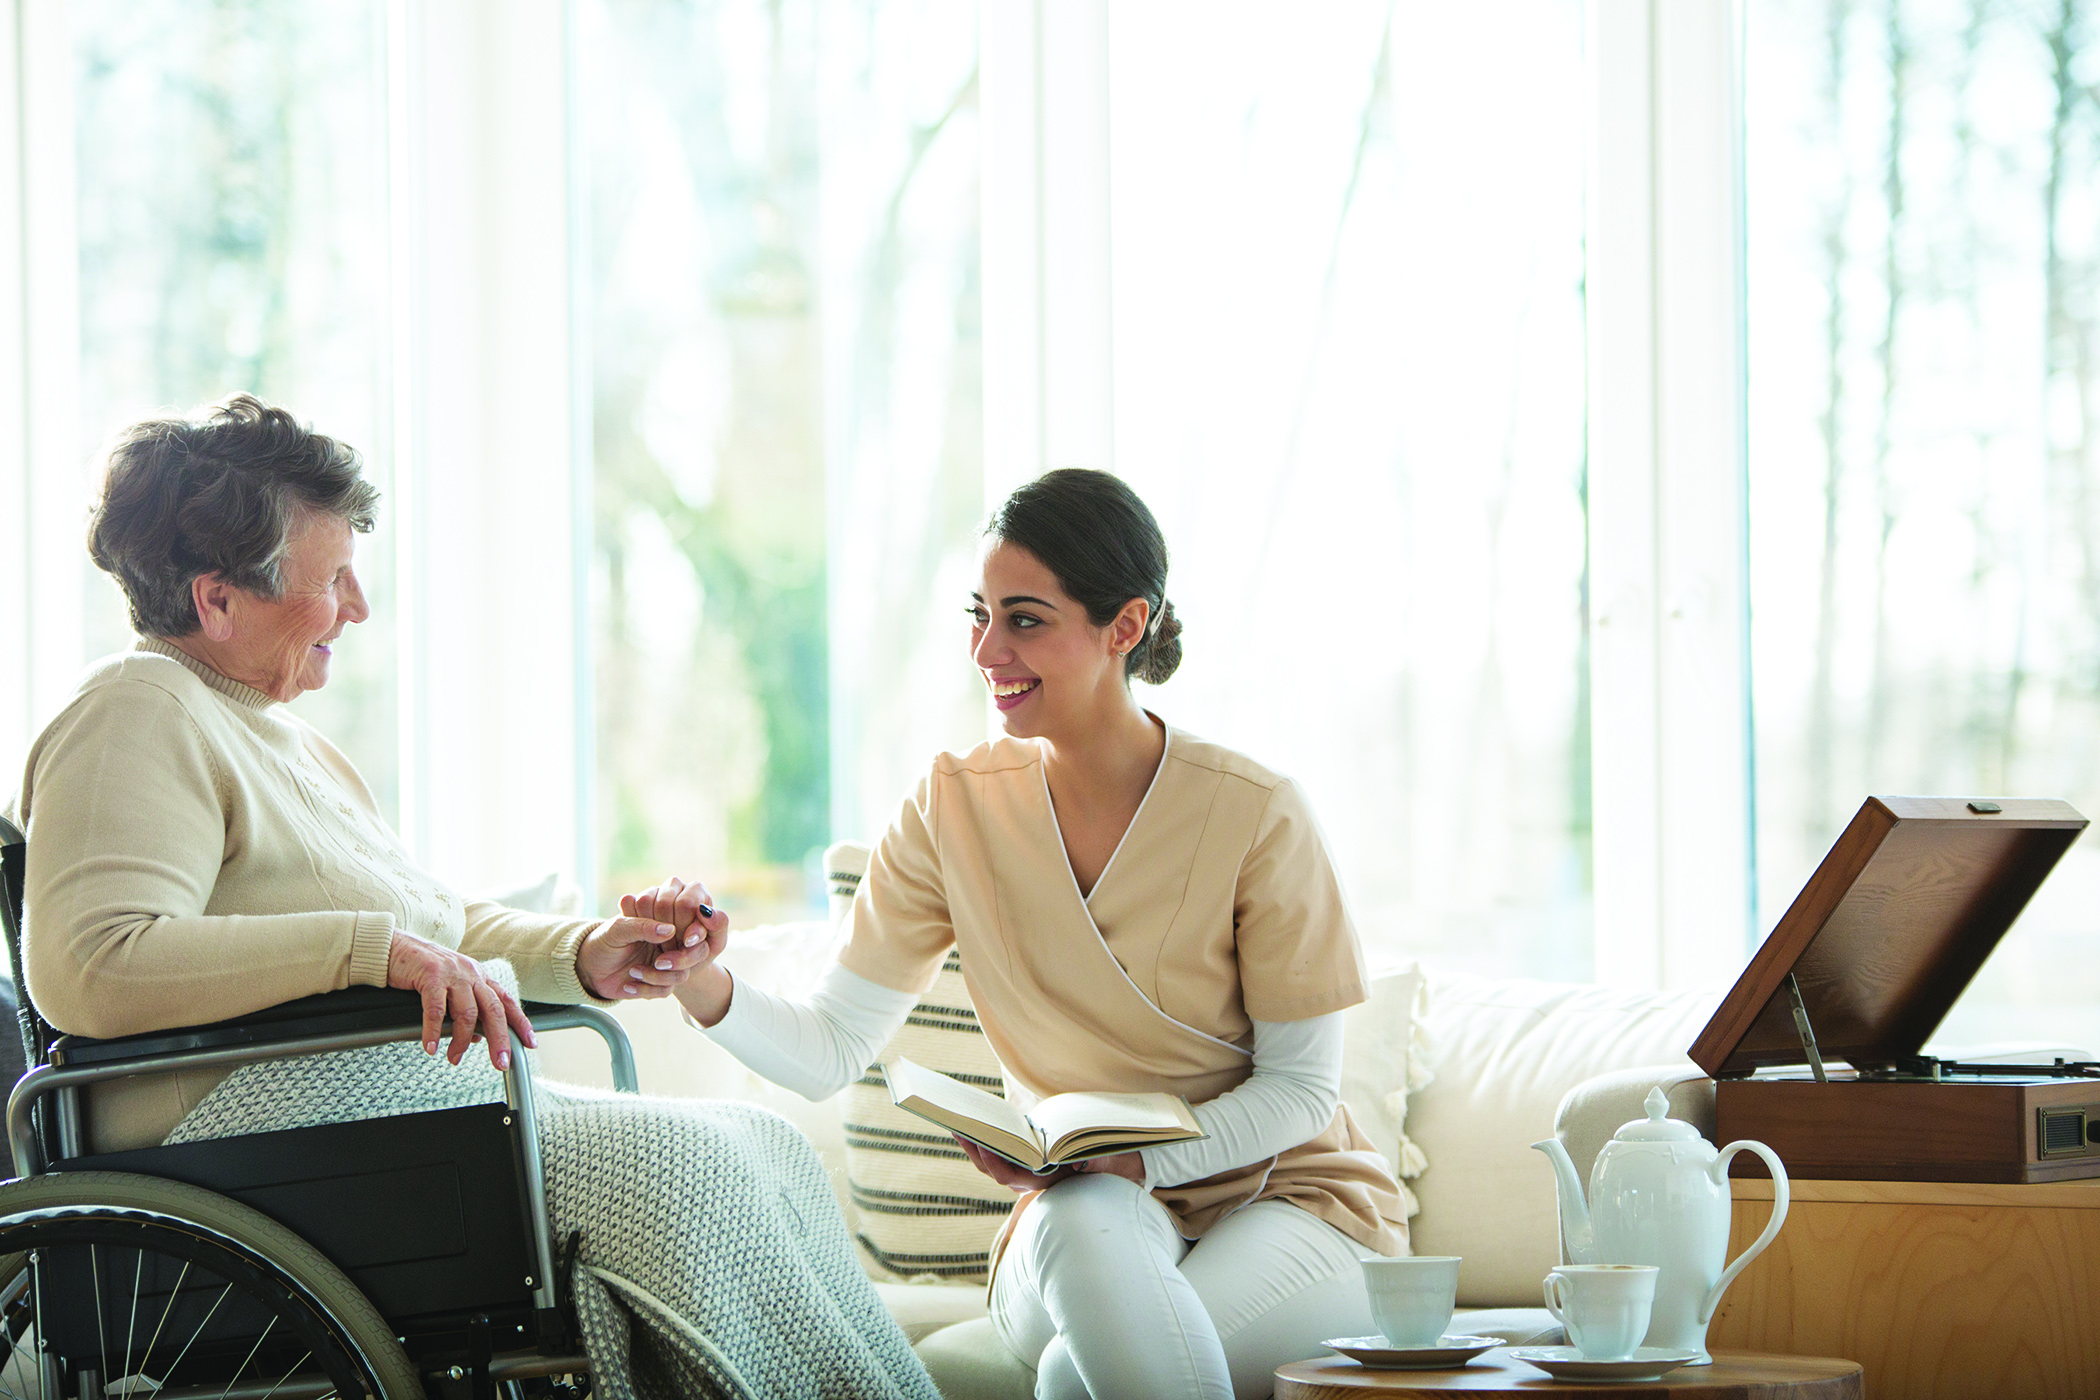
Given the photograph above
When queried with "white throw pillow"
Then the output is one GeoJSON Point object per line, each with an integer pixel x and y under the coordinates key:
{"type": "Point", "coordinates": [1382, 1063]}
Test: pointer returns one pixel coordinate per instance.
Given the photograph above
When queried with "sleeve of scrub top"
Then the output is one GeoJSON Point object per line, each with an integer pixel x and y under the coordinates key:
{"type": "Point", "coordinates": [901, 931]}
{"type": "Point", "coordinates": [1297, 948]}
{"type": "Point", "coordinates": [817, 1047]}
{"type": "Point", "coordinates": [1290, 1097]}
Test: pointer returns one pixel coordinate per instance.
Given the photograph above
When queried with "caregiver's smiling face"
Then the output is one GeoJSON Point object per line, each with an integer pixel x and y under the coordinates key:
{"type": "Point", "coordinates": [1046, 664]}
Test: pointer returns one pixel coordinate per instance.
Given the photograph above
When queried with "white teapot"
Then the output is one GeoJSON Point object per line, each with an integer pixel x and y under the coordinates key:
{"type": "Point", "coordinates": [1659, 1195]}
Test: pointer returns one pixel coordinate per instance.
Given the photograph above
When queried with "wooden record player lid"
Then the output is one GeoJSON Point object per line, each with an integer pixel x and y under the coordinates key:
{"type": "Point", "coordinates": [1889, 931]}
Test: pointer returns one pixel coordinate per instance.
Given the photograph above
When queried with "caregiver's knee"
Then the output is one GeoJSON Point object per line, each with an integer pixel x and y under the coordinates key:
{"type": "Point", "coordinates": [1094, 1215]}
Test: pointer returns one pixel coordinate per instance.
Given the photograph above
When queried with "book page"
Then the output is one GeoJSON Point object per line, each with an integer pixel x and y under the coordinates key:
{"type": "Point", "coordinates": [1145, 1118]}
{"type": "Point", "coordinates": [965, 1109]}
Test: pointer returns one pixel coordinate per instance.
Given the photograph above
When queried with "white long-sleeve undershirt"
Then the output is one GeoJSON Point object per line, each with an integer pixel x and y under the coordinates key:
{"type": "Point", "coordinates": [817, 1047]}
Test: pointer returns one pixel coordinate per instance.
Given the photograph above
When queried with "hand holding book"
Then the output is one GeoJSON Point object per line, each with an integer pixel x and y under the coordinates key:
{"type": "Point", "coordinates": [1061, 1130]}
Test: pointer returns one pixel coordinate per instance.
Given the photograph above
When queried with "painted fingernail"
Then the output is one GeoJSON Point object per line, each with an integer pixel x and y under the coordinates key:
{"type": "Point", "coordinates": [503, 1059]}
{"type": "Point", "coordinates": [666, 931]}
{"type": "Point", "coordinates": [635, 973]}
{"type": "Point", "coordinates": [663, 964]}
{"type": "Point", "coordinates": [628, 990]}
{"type": "Point", "coordinates": [691, 939]}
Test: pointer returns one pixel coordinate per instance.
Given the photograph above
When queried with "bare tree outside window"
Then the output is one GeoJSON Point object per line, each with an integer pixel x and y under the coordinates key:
{"type": "Point", "coordinates": [231, 177]}
{"type": "Point", "coordinates": [784, 321]}
{"type": "Point", "coordinates": [1924, 235]}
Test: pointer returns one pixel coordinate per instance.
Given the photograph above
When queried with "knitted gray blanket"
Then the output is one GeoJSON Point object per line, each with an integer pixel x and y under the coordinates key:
{"type": "Point", "coordinates": [713, 1262]}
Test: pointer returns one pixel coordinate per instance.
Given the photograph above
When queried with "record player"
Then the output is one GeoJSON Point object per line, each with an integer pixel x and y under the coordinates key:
{"type": "Point", "coordinates": [1879, 945]}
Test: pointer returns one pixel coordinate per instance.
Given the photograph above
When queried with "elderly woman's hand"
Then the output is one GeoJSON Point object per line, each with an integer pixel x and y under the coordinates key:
{"type": "Point", "coordinates": [453, 984]}
{"type": "Point", "coordinates": [643, 954]}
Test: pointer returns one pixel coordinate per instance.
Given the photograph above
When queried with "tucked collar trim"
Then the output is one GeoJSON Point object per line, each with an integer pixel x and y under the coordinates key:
{"type": "Point", "coordinates": [246, 696]}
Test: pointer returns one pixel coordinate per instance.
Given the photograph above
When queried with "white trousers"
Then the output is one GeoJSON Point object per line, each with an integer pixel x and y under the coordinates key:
{"type": "Point", "coordinates": [1101, 1294]}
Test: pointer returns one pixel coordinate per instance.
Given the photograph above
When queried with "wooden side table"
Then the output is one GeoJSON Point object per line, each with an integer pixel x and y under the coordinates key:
{"type": "Point", "coordinates": [1733, 1376]}
{"type": "Point", "coordinates": [1943, 1290]}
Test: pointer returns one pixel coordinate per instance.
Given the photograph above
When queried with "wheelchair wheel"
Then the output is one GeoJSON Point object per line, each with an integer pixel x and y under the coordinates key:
{"type": "Point", "coordinates": [120, 1287]}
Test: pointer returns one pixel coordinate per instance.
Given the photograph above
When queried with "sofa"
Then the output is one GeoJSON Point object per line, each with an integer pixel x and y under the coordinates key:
{"type": "Point", "coordinates": [1452, 1075]}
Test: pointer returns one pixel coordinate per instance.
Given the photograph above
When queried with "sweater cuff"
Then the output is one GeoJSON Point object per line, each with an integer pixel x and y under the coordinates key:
{"type": "Point", "coordinates": [562, 965]}
{"type": "Point", "coordinates": [371, 943]}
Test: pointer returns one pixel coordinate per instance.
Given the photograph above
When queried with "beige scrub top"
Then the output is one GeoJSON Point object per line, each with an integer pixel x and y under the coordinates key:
{"type": "Point", "coordinates": [1219, 908]}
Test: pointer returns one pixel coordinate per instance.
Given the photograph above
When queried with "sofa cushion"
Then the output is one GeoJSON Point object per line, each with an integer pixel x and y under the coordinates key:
{"type": "Point", "coordinates": [1504, 1053]}
{"type": "Point", "coordinates": [922, 1310]}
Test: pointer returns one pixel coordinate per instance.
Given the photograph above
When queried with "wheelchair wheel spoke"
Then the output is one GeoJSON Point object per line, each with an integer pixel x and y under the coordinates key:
{"type": "Point", "coordinates": [242, 1369]}
{"type": "Point", "coordinates": [101, 1336]}
{"type": "Point", "coordinates": [287, 1376]}
{"type": "Point", "coordinates": [176, 1364]}
{"type": "Point", "coordinates": [131, 1328]}
{"type": "Point", "coordinates": [147, 1360]}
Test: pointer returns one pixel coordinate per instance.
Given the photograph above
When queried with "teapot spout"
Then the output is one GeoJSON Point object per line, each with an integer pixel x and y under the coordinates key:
{"type": "Point", "coordinates": [1574, 1212]}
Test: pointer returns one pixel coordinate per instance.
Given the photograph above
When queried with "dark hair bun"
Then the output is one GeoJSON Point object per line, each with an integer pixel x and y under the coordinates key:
{"type": "Point", "coordinates": [1155, 660]}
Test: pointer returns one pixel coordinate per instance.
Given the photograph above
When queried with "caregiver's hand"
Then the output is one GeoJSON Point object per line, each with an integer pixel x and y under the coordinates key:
{"type": "Point", "coordinates": [1128, 1165]}
{"type": "Point", "coordinates": [704, 991]}
{"type": "Point", "coordinates": [453, 984]}
{"type": "Point", "coordinates": [638, 957]}
{"type": "Point", "coordinates": [1013, 1178]}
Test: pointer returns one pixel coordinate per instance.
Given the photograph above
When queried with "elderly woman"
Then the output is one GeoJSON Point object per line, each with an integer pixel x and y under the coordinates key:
{"type": "Point", "coordinates": [196, 852]}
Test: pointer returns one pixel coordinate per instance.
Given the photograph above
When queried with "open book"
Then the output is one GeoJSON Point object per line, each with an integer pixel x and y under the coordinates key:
{"type": "Point", "coordinates": [1062, 1129]}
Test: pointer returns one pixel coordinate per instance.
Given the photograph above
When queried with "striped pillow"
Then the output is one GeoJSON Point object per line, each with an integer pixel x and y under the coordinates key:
{"type": "Point", "coordinates": [924, 1213]}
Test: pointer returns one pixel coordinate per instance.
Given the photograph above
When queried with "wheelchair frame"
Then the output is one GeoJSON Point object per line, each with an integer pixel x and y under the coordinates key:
{"type": "Point", "coordinates": [349, 1020]}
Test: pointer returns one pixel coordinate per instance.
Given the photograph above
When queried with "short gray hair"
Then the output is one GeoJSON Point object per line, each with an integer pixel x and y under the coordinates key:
{"type": "Point", "coordinates": [221, 493]}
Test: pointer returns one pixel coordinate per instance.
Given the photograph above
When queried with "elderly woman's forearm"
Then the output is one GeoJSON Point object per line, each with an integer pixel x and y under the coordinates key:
{"type": "Point", "coordinates": [125, 975]}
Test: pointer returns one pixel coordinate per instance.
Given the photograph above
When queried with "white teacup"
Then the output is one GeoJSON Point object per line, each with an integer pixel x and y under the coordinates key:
{"type": "Point", "coordinates": [1412, 1297]}
{"type": "Point", "coordinates": [1604, 1306]}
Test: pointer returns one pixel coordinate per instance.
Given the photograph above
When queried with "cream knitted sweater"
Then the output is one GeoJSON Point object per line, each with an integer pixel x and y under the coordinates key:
{"type": "Point", "coordinates": [197, 852]}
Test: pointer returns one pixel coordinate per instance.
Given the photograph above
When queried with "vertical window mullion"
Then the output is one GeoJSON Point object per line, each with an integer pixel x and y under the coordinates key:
{"type": "Point", "coordinates": [1671, 726]}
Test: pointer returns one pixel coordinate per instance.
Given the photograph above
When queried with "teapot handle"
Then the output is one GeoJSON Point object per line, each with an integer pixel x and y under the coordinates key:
{"type": "Point", "coordinates": [1782, 1194]}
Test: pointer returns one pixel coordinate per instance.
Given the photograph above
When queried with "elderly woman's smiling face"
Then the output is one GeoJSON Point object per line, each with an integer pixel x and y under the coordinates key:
{"type": "Point", "coordinates": [280, 645]}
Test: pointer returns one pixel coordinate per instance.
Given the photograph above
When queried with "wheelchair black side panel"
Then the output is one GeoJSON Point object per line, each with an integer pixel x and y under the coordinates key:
{"type": "Point", "coordinates": [424, 1211]}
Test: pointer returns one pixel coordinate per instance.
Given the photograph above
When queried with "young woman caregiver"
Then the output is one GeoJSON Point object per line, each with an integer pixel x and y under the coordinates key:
{"type": "Point", "coordinates": [1135, 909]}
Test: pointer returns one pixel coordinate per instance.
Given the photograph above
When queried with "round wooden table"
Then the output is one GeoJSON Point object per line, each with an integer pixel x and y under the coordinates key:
{"type": "Point", "coordinates": [1735, 1375]}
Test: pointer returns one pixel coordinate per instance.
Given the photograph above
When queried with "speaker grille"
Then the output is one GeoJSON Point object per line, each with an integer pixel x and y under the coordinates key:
{"type": "Point", "coordinates": [2063, 1131]}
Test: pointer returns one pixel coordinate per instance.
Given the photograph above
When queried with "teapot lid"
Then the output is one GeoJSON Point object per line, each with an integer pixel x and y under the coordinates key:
{"type": "Point", "coordinates": [1658, 1126]}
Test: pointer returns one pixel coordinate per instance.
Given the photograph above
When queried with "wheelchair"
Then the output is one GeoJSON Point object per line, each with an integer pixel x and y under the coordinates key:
{"type": "Point", "coordinates": [377, 1260]}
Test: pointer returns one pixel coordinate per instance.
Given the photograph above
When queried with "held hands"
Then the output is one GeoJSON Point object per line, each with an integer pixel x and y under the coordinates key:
{"type": "Point", "coordinates": [659, 941]}
{"type": "Point", "coordinates": [696, 933]}
{"type": "Point", "coordinates": [453, 984]}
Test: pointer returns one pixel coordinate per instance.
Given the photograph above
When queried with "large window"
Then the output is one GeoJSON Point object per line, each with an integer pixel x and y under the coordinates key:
{"type": "Point", "coordinates": [1420, 328]}
{"type": "Point", "coordinates": [1349, 377]}
{"type": "Point", "coordinates": [230, 168]}
{"type": "Point", "coordinates": [1924, 197]}
{"type": "Point", "coordinates": [783, 268]}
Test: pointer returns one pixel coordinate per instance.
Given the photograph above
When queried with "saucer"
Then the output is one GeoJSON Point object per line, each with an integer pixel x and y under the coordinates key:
{"type": "Point", "coordinates": [1569, 1364]}
{"type": "Point", "coordinates": [1449, 1352]}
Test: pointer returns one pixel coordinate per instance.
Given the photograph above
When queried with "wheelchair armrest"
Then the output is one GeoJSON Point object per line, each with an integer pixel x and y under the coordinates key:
{"type": "Point", "coordinates": [350, 1011]}
{"type": "Point", "coordinates": [329, 1013]}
